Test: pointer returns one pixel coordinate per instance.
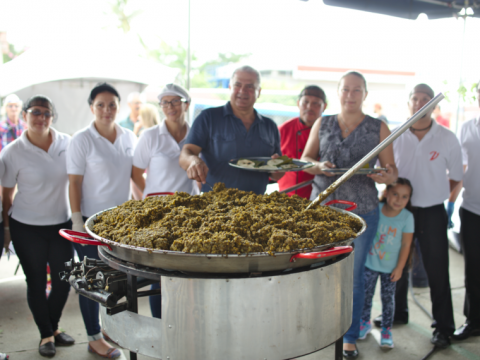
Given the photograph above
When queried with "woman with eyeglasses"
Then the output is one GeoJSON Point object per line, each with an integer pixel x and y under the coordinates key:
{"type": "Point", "coordinates": [158, 152]}
{"type": "Point", "coordinates": [341, 141]}
{"type": "Point", "coordinates": [36, 164]}
{"type": "Point", "coordinates": [99, 166]}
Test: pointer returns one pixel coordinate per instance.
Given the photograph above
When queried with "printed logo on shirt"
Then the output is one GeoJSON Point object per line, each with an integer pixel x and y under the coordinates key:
{"type": "Point", "coordinates": [434, 155]}
{"type": "Point", "coordinates": [129, 151]}
{"type": "Point", "coordinates": [383, 240]}
{"type": "Point", "coordinates": [61, 152]}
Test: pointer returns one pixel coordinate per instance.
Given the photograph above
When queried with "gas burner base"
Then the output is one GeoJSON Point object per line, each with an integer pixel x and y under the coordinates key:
{"type": "Point", "coordinates": [274, 317]}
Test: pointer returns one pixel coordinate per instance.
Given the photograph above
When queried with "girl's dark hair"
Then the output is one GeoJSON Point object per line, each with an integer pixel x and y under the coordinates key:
{"type": "Point", "coordinates": [102, 87]}
{"type": "Point", "coordinates": [41, 100]}
{"type": "Point", "coordinates": [400, 181]}
{"type": "Point", "coordinates": [403, 181]}
{"type": "Point", "coordinates": [355, 73]}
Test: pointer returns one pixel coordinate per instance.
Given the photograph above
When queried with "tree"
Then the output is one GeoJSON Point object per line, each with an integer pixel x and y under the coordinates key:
{"type": "Point", "coordinates": [119, 10]}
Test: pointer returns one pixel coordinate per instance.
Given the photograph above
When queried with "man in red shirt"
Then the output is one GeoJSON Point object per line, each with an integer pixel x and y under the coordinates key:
{"type": "Point", "coordinates": [294, 135]}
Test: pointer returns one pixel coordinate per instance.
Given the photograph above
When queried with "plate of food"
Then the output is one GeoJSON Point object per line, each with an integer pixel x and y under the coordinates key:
{"type": "Point", "coordinates": [363, 171]}
{"type": "Point", "coordinates": [269, 165]}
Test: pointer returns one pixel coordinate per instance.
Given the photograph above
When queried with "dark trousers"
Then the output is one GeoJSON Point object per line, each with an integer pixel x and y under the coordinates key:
{"type": "Point", "coordinates": [401, 292]}
{"type": "Point", "coordinates": [89, 308]}
{"type": "Point", "coordinates": [431, 233]}
{"type": "Point", "coordinates": [35, 247]}
{"type": "Point", "coordinates": [387, 293]}
{"type": "Point", "coordinates": [471, 252]}
{"type": "Point", "coordinates": [156, 302]}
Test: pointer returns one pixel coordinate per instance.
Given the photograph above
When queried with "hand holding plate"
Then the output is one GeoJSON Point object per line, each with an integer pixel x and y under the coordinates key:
{"type": "Point", "coordinates": [326, 165]}
{"type": "Point", "coordinates": [384, 177]}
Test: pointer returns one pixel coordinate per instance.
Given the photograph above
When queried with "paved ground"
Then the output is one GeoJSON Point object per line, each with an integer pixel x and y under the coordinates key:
{"type": "Point", "coordinates": [19, 336]}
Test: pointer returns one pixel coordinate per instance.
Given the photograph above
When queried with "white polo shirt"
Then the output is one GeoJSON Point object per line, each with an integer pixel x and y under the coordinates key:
{"type": "Point", "coordinates": [106, 167]}
{"type": "Point", "coordinates": [41, 179]}
{"type": "Point", "coordinates": [469, 137]}
{"type": "Point", "coordinates": [158, 152]}
{"type": "Point", "coordinates": [425, 164]}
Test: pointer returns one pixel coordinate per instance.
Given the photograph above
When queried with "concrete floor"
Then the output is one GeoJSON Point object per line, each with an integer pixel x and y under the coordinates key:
{"type": "Point", "coordinates": [19, 336]}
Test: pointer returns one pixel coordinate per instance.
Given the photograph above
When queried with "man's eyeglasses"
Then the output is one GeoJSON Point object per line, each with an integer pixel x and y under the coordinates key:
{"type": "Point", "coordinates": [175, 102]}
{"type": "Point", "coordinates": [36, 112]}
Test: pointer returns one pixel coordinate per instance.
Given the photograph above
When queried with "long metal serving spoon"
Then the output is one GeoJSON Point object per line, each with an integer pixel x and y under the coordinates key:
{"type": "Point", "coordinates": [378, 149]}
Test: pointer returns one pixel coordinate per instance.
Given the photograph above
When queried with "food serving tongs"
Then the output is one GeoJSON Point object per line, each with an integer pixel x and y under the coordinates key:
{"type": "Point", "coordinates": [399, 131]}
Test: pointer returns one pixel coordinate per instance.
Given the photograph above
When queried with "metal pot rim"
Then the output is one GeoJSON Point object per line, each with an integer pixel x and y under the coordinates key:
{"type": "Point", "coordinates": [92, 218]}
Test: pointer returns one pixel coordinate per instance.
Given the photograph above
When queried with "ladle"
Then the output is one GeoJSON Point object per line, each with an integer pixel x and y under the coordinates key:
{"type": "Point", "coordinates": [378, 149]}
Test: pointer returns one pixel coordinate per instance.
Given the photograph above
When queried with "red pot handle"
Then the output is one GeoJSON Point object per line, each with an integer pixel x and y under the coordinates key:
{"type": "Point", "coordinates": [334, 251]}
{"type": "Point", "coordinates": [84, 238]}
{"type": "Point", "coordinates": [160, 194]}
{"type": "Point", "coordinates": [345, 202]}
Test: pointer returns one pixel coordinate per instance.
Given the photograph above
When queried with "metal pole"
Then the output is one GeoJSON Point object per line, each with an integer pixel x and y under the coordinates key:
{"type": "Point", "coordinates": [461, 68]}
{"type": "Point", "coordinates": [188, 49]}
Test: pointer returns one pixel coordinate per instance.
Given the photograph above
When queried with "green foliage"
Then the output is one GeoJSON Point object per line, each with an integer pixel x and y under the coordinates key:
{"type": "Point", "coordinates": [223, 59]}
{"type": "Point", "coordinates": [467, 93]}
{"type": "Point", "coordinates": [119, 10]}
{"type": "Point", "coordinates": [12, 53]}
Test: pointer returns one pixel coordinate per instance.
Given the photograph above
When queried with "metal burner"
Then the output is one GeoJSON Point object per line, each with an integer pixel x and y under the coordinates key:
{"type": "Point", "coordinates": [272, 315]}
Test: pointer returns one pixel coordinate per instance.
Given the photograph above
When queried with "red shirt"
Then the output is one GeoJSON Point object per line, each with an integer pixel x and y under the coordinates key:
{"type": "Point", "coordinates": [293, 138]}
{"type": "Point", "coordinates": [443, 121]}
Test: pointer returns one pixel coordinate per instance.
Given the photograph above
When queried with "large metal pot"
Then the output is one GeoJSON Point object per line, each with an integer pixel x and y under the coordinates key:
{"type": "Point", "coordinates": [214, 263]}
{"type": "Point", "coordinates": [275, 317]}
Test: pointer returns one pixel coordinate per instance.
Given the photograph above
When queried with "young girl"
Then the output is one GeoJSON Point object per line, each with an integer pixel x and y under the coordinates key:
{"type": "Point", "coordinates": [388, 255]}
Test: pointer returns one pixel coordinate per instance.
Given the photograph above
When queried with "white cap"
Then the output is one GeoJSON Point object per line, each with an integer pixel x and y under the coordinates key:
{"type": "Point", "coordinates": [12, 99]}
{"type": "Point", "coordinates": [174, 90]}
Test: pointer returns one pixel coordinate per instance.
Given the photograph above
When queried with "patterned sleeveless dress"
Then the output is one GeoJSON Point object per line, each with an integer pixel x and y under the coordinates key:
{"type": "Point", "coordinates": [345, 153]}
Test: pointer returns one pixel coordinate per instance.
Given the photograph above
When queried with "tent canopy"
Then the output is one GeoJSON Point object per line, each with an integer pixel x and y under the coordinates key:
{"type": "Point", "coordinates": [409, 9]}
{"type": "Point", "coordinates": [67, 75]}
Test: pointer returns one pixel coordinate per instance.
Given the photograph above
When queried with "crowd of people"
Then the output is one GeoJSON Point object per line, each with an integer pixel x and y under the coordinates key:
{"type": "Point", "coordinates": [51, 181]}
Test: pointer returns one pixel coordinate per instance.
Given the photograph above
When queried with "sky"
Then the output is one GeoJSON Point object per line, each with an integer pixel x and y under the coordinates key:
{"type": "Point", "coordinates": [279, 33]}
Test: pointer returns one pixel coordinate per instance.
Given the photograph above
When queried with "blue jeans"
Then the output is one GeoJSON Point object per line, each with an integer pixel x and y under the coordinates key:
{"type": "Point", "coordinates": [89, 308]}
{"type": "Point", "coordinates": [362, 246]}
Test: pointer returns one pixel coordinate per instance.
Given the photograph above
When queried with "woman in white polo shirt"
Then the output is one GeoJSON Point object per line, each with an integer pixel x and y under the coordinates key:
{"type": "Point", "coordinates": [158, 151]}
{"type": "Point", "coordinates": [36, 164]}
{"type": "Point", "coordinates": [99, 165]}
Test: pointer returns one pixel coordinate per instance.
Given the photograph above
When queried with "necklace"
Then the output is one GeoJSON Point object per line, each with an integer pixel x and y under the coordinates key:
{"type": "Point", "coordinates": [428, 127]}
{"type": "Point", "coordinates": [347, 130]}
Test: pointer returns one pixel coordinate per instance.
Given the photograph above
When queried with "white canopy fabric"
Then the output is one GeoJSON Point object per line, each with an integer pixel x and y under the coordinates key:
{"type": "Point", "coordinates": [68, 74]}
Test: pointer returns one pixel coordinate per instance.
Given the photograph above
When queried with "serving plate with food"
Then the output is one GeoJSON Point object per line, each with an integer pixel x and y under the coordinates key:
{"type": "Point", "coordinates": [269, 165]}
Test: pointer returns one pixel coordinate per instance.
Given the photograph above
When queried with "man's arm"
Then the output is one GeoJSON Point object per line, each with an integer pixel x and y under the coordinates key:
{"type": "Point", "coordinates": [190, 162]}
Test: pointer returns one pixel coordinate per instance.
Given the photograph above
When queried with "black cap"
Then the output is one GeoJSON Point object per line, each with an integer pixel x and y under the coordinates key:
{"type": "Point", "coordinates": [423, 88]}
{"type": "Point", "coordinates": [102, 87]}
{"type": "Point", "coordinates": [313, 90]}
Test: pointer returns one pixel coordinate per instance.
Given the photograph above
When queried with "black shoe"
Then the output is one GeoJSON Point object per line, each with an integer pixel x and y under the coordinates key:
{"type": "Point", "coordinates": [63, 339]}
{"type": "Point", "coordinates": [351, 354]}
{"type": "Point", "coordinates": [440, 340]}
{"type": "Point", "coordinates": [397, 320]}
{"type": "Point", "coordinates": [466, 330]}
{"type": "Point", "coordinates": [47, 349]}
